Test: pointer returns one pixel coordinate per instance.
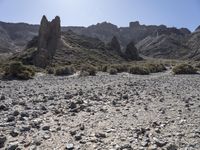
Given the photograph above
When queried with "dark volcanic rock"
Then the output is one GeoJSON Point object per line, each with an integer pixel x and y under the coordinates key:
{"type": "Point", "coordinates": [48, 41]}
{"type": "Point", "coordinates": [114, 45]}
{"type": "Point", "coordinates": [131, 52]}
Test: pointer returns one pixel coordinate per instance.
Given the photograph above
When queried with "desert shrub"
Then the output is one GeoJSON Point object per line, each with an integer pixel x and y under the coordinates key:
{"type": "Point", "coordinates": [50, 70]}
{"type": "Point", "coordinates": [154, 68]}
{"type": "Point", "coordinates": [88, 70]}
{"type": "Point", "coordinates": [64, 71]}
{"type": "Point", "coordinates": [139, 70]}
{"type": "Point", "coordinates": [104, 68]}
{"type": "Point", "coordinates": [113, 71]}
{"type": "Point", "coordinates": [197, 66]}
{"type": "Point", "coordinates": [16, 70]}
{"type": "Point", "coordinates": [121, 68]}
{"type": "Point", "coordinates": [184, 69]}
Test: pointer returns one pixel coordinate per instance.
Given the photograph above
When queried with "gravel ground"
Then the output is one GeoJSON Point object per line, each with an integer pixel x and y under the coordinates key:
{"type": "Point", "coordinates": [120, 112]}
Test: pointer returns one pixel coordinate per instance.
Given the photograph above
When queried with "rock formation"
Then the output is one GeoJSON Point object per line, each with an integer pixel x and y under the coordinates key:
{"type": "Point", "coordinates": [48, 41]}
{"type": "Point", "coordinates": [114, 45]}
{"type": "Point", "coordinates": [131, 52]}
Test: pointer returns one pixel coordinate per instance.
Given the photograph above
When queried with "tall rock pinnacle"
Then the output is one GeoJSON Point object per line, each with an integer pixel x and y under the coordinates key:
{"type": "Point", "coordinates": [48, 41]}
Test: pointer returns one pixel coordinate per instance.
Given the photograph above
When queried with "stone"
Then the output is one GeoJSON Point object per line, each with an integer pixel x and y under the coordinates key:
{"type": "Point", "coordinates": [78, 137]}
{"type": "Point", "coordinates": [24, 114]}
{"type": "Point", "coordinates": [144, 143]}
{"type": "Point", "coordinates": [73, 132]}
{"type": "Point", "coordinates": [10, 119]}
{"type": "Point", "coordinates": [2, 140]}
{"type": "Point", "coordinates": [100, 135]}
{"type": "Point", "coordinates": [72, 105]}
{"type": "Point", "coordinates": [153, 147]}
{"type": "Point", "coordinates": [69, 146]}
{"type": "Point", "coordinates": [172, 147]}
{"type": "Point", "coordinates": [159, 143]}
{"type": "Point", "coordinates": [12, 146]}
{"type": "Point", "coordinates": [3, 107]}
{"type": "Point", "coordinates": [14, 133]}
{"type": "Point", "coordinates": [25, 128]}
{"type": "Point", "coordinates": [46, 127]}
{"type": "Point", "coordinates": [125, 147]}
{"type": "Point", "coordinates": [82, 127]}
{"type": "Point", "coordinates": [2, 97]}
{"type": "Point", "coordinates": [16, 113]}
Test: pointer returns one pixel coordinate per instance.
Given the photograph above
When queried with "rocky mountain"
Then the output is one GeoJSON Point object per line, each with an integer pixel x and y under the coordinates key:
{"type": "Point", "coordinates": [194, 44]}
{"type": "Point", "coordinates": [53, 47]}
{"type": "Point", "coordinates": [151, 40]}
{"type": "Point", "coordinates": [14, 36]}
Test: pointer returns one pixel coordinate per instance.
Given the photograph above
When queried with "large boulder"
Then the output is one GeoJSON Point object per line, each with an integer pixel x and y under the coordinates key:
{"type": "Point", "coordinates": [48, 41]}
{"type": "Point", "coordinates": [131, 52]}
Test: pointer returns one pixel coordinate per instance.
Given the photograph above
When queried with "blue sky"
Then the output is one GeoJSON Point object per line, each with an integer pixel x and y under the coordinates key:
{"type": "Point", "coordinates": [178, 13]}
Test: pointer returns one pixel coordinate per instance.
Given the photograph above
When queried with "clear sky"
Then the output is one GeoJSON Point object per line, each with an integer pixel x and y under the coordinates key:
{"type": "Point", "coordinates": [178, 13]}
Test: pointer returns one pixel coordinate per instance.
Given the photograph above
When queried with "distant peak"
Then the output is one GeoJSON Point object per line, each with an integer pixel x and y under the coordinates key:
{"type": "Point", "coordinates": [134, 24]}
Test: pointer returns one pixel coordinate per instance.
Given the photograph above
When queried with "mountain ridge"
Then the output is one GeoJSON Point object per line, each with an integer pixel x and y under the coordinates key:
{"type": "Point", "coordinates": [15, 36]}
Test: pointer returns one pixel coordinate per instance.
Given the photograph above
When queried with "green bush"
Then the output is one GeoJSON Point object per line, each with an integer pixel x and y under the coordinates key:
{"type": "Point", "coordinates": [184, 69]}
{"type": "Point", "coordinates": [197, 66]}
{"type": "Point", "coordinates": [139, 70]}
{"type": "Point", "coordinates": [121, 68]}
{"type": "Point", "coordinates": [64, 71]}
{"type": "Point", "coordinates": [104, 68]}
{"type": "Point", "coordinates": [88, 70]}
{"type": "Point", "coordinates": [154, 68]}
{"type": "Point", "coordinates": [113, 71]}
{"type": "Point", "coordinates": [50, 70]}
{"type": "Point", "coordinates": [16, 70]}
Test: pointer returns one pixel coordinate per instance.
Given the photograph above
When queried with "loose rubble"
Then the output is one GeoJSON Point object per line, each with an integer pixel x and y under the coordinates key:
{"type": "Point", "coordinates": [121, 112]}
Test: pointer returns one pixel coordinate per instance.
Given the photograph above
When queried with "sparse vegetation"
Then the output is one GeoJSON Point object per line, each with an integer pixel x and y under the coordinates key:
{"type": "Point", "coordinates": [154, 68]}
{"type": "Point", "coordinates": [16, 70]}
{"type": "Point", "coordinates": [64, 71]}
{"type": "Point", "coordinates": [121, 68]}
{"type": "Point", "coordinates": [50, 70]}
{"type": "Point", "coordinates": [184, 69]}
{"type": "Point", "coordinates": [141, 70]}
{"type": "Point", "coordinates": [88, 70]}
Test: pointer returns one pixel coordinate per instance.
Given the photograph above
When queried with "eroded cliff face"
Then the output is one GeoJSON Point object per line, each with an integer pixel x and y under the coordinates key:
{"type": "Point", "coordinates": [48, 41]}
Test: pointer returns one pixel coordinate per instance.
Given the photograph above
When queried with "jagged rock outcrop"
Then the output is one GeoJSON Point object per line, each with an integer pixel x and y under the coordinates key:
{"type": "Point", "coordinates": [194, 45]}
{"type": "Point", "coordinates": [131, 52]}
{"type": "Point", "coordinates": [164, 46]}
{"type": "Point", "coordinates": [197, 29]}
{"type": "Point", "coordinates": [114, 45]}
{"type": "Point", "coordinates": [134, 25]}
{"type": "Point", "coordinates": [48, 41]}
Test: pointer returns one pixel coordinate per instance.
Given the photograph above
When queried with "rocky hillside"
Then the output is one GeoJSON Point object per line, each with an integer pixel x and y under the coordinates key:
{"type": "Point", "coordinates": [14, 36]}
{"type": "Point", "coordinates": [53, 47]}
{"type": "Point", "coordinates": [152, 41]}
